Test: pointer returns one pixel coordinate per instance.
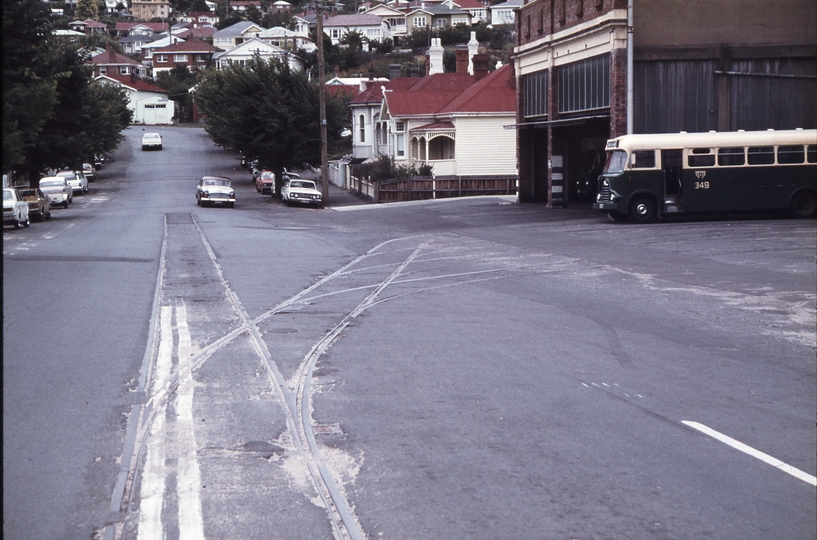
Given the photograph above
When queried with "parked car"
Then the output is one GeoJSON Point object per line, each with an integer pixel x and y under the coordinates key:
{"type": "Point", "coordinates": [15, 209]}
{"type": "Point", "coordinates": [99, 159]}
{"type": "Point", "coordinates": [265, 183]}
{"type": "Point", "coordinates": [76, 180]}
{"type": "Point", "coordinates": [39, 206]}
{"type": "Point", "coordinates": [89, 171]}
{"type": "Point", "coordinates": [215, 190]}
{"type": "Point", "coordinates": [57, 189]}
{"type": "Point", "coordinates": [151, 141]}
{"type": "Point", "coordinates": [299, 191]}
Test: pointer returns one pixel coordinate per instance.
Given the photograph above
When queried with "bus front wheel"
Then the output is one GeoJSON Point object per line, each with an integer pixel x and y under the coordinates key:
{"type": "Point", "coordinates": [804, 204]}
{"type": "Point", "coordinates": [642, 209]}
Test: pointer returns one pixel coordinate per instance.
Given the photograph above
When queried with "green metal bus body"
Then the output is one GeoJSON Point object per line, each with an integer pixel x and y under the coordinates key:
{"type": "Point", "coordinates": [649, 176]}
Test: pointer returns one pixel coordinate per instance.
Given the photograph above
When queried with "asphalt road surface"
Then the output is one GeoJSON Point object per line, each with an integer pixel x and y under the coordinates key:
{"type": "Point", "coordinates": [467, 368]}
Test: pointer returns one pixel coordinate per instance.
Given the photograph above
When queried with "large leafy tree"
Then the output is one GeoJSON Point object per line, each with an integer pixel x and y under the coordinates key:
{"type": "Point", "coordinates": [88, 118]}
{"type": "Point", "coordinates": [86, 9]}
{"type": "Point", "coordinates": [268, 111]}
{"type": "Point", "coordinates": [54, 113]}
{"type": "Point", "coordinates": [29, 90]}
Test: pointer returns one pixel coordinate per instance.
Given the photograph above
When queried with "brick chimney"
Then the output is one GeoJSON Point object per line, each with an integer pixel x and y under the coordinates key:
{"type": "Point", "coordinates": [462, 59]}
{"type": "Point", "coordinates": [394, 71]}
{"type": "Point", "coordinates": [480, 66]}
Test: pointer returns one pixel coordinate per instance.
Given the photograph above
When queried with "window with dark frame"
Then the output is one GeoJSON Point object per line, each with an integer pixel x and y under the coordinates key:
{"type": "Point", "coordinates": [701, 157]}
{"type": "Point", "coordinates": [760, 155]}
{"type": "Point", "coordinates": [789, 155]}
{"type": "Point", "coordinates": [731, 156]}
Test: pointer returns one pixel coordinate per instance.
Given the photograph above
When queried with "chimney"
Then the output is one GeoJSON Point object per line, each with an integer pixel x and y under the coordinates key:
{"type": "Point", "coordinates": [435, 57]}
{"type": "Point", "coordinates": [462, 59]}
{"type": "Point", "coordinates": [480, 66]}
{"type": "Point", "coordinates": [394, 71]}
{"type": "Point", "coordinates": [473, 48]}
{"type": "Point", "coordinates": [371, 71]}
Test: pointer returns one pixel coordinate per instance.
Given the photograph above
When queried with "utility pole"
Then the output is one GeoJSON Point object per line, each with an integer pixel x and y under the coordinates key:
{"type": "Point", "coordinates": [322, 89]}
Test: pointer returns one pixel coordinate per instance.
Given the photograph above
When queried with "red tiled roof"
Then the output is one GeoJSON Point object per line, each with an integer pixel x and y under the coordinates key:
{"type": "Point", "coordinates": [493, 93]}
{"type": "Point", "coordinates": [444, 82]}
{"type": "Point", "coordinates": [415, 103]}
{"type": "Point", "coordinates": [203, 31]}
{"type": "Point", "coordinates": [470, 4]}
{"type": "Point", "coordinates": [192, 45]}
{"type": "Point", "coordinates": [428, 94]}
{"type": "Point", "coordinates": [111, 57]}
{"type": "Point", "coordinates": [138, 84]}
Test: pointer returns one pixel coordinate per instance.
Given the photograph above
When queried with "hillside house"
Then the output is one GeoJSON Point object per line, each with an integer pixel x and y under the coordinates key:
{"type": "Point", "coordinates": [149, 103]}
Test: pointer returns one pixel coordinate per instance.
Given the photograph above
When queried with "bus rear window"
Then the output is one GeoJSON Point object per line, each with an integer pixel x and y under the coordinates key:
{"type": "Point", "coordinates": [731, 156]}
{"type": "Point", "coordinates": [811, 153]}
{"type": "Point", "coordinates": [615, 162]}
{"type": "Point", "coordinates": [790, 154]}
{"type": "Point", "coordinates": [701, 157]}
{"type": "Point", "coordinates": [761, 155]}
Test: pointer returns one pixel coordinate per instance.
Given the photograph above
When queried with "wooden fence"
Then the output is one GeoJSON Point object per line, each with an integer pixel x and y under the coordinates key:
{"type": "Point", "coordinates": [418, 188]}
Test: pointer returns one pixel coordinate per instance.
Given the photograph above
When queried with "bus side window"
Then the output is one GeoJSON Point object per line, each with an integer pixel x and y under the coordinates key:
{"type": "Point", "coordinates": [731, 156]}
{"type": "Point", "coordinates": [761, 155]}
{"type": "Point", "coordinates": [790, 154]}
{"type": "Point", "coordinates": [642, 159]}
{"type": "Point", "coordinates": [701, 157]}
{"type": "Point", "coordinates": [811, 153]}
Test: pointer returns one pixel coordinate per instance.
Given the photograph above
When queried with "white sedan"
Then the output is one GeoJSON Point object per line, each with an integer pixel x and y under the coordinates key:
{"type": "Point", "coordinates": [214, 190]}
{"type": "Point", "coordinates": [298, 191]}
{"type": "Point", "coordinates": [15, 209]}
{"type": "Point", "coordinates": [151, 141]}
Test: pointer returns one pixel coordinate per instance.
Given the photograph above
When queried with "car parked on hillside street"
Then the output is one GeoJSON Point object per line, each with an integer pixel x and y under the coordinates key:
{"type": "Point", "coordinates": [76, 180]}
{"type": "Point", "coordinates": [15, 209]}
{"type": "Point", "coordinates": [39, 206]}
{"type": "Point", "coordinates": [300, 191]}
{"type": "Point", "coordinates": [57, 189]}
{"type": "Point", "coordinates": [214, 190]}
{"type": "Point", "coordinates": [265, 182]}
{"type": "Point", "coordinates": [89, 171]}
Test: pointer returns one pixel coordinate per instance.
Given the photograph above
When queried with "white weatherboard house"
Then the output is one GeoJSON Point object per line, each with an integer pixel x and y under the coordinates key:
{"type": "Point", "coordinates": [233, 36]}
{"type": "Point", "coordinates": [255, 48]}
{"type": "Point", "coordinates": [453, 122]}
{"type": "Point", "coordinates": [371, 27]}
{"type": "Point", "coordinates": [148, 102]}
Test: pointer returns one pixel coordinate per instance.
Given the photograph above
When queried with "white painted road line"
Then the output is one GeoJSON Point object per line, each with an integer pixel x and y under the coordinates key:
{"type": "Point", "coordinates": [774, 462]}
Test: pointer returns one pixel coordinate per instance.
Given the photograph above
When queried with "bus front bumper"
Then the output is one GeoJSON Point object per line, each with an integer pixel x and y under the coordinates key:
{"type": "Point", "coordinates": [605, 206]}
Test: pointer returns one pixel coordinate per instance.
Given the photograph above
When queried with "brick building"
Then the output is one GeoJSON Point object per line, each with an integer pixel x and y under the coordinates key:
{"type": "Point", "coordinates": [698, 65]}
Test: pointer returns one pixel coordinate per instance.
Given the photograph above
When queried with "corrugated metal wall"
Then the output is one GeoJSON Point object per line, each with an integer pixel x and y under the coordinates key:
{"type": "Point", "coordinates": [682, 95]}
{"type": "Point", "coordinates": [675, 95]}
{"type": "Point", "coordinates": [773, 102]}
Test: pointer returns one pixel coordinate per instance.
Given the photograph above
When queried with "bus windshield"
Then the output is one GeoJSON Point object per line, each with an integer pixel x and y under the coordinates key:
{"type": "Point", "coordinates": [616, 161]}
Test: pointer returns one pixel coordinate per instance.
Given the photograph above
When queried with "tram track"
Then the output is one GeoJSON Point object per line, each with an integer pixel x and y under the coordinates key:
{"type": "Point", "coordinates": [403, 267]}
